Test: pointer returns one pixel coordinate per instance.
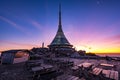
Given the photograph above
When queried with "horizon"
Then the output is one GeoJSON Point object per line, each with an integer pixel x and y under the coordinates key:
{"type": "Point", "coordinates": [111, 53]}
{"type": "Point", "coordinates": [92, 26]}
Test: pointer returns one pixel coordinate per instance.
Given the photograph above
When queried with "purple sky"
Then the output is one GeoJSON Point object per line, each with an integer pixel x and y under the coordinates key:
{"type": "Point", "coordinates": [91, 25]}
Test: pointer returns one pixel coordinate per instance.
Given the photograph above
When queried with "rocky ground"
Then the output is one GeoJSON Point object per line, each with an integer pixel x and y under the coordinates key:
{"type": "Point", "coordinates": [18, 71]}
{"type": "Point", "coordinates": [14, 72]}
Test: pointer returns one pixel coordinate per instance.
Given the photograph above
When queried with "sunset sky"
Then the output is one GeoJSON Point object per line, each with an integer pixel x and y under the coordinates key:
{"type": "Point", "coordinates": [91, 25]}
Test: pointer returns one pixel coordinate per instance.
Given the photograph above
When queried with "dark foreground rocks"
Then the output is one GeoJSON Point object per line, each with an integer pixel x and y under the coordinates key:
{"type": "Point", "coordinates": [14, 72]}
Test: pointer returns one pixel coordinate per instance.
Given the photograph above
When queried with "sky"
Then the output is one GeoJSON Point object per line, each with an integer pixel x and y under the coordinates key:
{"type": "Point", "coordinates": [91, 25]}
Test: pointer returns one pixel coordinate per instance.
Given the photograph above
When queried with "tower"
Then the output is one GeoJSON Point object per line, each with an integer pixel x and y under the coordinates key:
{"type": "Point", "coordinates": [43, 45]}
{"type": "Point", "coordinates": [60, 42]}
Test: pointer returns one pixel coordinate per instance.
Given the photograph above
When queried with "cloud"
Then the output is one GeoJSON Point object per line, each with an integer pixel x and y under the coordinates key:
{"type": "Point", "coordinates": [36, 24]}
{"type": "Point", "coordinates": [112, 40]}
{"type": "Point", "coordinates": [5, 42]}
{"type": "Point", "coordinates": [18, 27]}
{"type": "Point", "coordinates": [43, 30]}
{"type": "Point", "coordinates": [7, 45]}
{"type": "Point", "coordinates": [116, 37]}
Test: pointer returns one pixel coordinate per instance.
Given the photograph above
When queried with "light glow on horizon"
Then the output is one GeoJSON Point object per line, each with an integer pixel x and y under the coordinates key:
{"type": "Point", "coordinates": [88, 25]}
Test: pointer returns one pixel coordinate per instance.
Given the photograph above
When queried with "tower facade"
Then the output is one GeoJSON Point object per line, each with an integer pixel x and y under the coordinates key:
{"type": "Point", "coordinates": [60, 42]}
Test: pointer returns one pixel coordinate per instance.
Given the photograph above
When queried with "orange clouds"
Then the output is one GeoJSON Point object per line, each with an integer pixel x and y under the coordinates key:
{"type": "Point", "coordinates": [6, 45]}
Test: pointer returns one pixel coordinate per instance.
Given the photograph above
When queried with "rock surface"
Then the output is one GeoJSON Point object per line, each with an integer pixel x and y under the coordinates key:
{"type": "Point", "coordinates": [14, 72]}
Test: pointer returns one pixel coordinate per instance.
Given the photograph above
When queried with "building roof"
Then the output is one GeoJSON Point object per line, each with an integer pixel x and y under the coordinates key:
{"type": "Point", "coordinates": [11, 51]}
{"type": "Point", "coordinates": [60, 38]}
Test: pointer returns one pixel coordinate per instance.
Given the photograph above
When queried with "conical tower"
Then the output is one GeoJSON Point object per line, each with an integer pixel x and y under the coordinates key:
{"type": "Point", "coordinates": [60, 41]}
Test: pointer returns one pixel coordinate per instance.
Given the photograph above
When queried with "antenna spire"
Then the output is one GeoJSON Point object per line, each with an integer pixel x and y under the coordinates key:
{"type": "Point", "coordinates": [60, 14]}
